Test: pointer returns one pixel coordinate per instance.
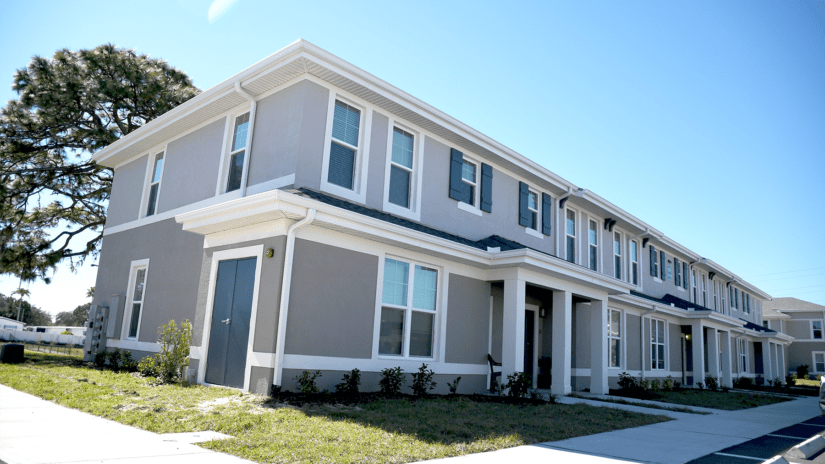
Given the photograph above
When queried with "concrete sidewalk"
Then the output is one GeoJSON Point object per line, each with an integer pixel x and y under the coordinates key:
{"type": "Point", "coordinates": [35, 431]}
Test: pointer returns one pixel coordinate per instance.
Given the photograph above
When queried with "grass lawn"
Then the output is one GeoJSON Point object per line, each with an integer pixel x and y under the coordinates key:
{"type": "Point", "coordinates": [728, 401]}
{"type": "Point", "coordinates": [807, 383]}
{"type": "Point", "coordinates": [390, 430]}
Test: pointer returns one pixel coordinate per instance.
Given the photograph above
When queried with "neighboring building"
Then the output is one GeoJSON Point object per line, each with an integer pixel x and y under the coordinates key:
{"type": "Point", "coordinates": [10, 324]}
{"type": "Point", "coordinates": [803, 321]}
{"type": "Point", "coordinates": [306, 215]}
{"type": "Point", "coordinates": [57, 329]}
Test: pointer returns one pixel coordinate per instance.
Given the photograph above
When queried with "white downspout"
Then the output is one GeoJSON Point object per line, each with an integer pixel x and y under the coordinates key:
{"type": "Point", "coordinates": [248, 149]}
{"type": "Point", "coordinates": [642, 338]}
{"type": "Point", "coordinates": [286, 282]}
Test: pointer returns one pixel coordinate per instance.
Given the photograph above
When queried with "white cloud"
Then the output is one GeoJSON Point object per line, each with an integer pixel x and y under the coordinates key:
{"type": "Point", "coordinates": [219, 8]}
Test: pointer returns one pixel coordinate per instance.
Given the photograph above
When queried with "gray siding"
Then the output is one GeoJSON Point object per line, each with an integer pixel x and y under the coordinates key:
{"type": "Point", "coordinates": [581, 336]}
{"type": "Point", "coordinates": [277, 134]}
{"type": "Point", "coordinates": [172, 278]}
{"type": "Point", "coordinates": [801, 353]}
{"type": "Point", "coordinates": [127, 188]}
{"type": "Point", "coordinates": [331, 302]}
{"type": "Point", "coordinates": [378, 161]}
{"type": "Point", "coordinates": [799, 329]}
{"type": "Point", "coordinates": [313, 126]}
{"type": "Point", "coordinates": [369, 381]}
{"type": "Point", "coordinates": [675, 347]}
{"type": "Point", "coordinates": [468, 314]}
{"type": "Point", "coordinates": [497, 291]}
{"type": "Point", "coordinates": [191, 166]}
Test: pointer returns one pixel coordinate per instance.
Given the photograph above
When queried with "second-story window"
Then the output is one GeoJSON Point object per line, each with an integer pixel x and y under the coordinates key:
{"type": "Point", "coordinates": [154, 186]}
{"type": "Point", "coordinates": [684, 275]}
{"type": "Point", "coordinates": [693, 285]}
{"type": "Point", "coordinates": [533, 206]}
{"type": "Point", "coordinates": [816, 330]}
{"type": "Point", "coordinates": [634, 262]}
{"type": "Point", "coordinates": [704, 292]}
{"type": "Point", "coordinates": [469, 174]}
{"type": "Point", "coordinates": [346, 124]}
{"type": "Point", "coordinates": [722, 296]}
{"type": "Point", "coordinates": [654, 262]}
{"type": "Point", "coordinates": [401, 167]}
{"type": "Point", "coordinates": [617, 255]}
{"type": "Point", "coordinates": [237, 153]}
{"type": "Point", "coordinates": [571, 236]}
{"type": "Point", "coordinates": [678, 274]}
{"type": "Point", "coordinates": [715, 289]}
{"type": "Point", "coordinates": [593, 245]}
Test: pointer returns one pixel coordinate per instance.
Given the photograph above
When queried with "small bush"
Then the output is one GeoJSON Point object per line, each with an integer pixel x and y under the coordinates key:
{"type": "Point", "coordinates": [66, 332]}
{"type": "Point", "coordinates": [350, 383]}
{"type": "Point", "coordinates": [306, 382]}
{"type": "Point", "coordinates": [743, 382]}
{"type": "Point", "coordinates": [667, 384]}
{"type": "Point", "coordinates": [391, 380]}
{"type": "Point", "coordinates": [127, 363]}
{"type": "Point", "coordinates": [627, 382]}
{"type": "Point", "coordinates": [422, 381]}
{"type": "Point", "coordinates": [453, 386]}
{"type": "Point", "coordinates": [517, 384]}
{"type": "Point", "coordinates": [655, 385]}
{"type": "Point", "coordinates": [644, 385]}
{"type": "Point", "coordinates": [802, 371]}
{"type": "Point", "coordinates": [148, 367]}
{"type": "Point", "coordinates": [100, 359]}
{"type": "Point", "coordinates": [677, 385]}
{"type": "Point", "coordinates": [777, 382]}
{"type": "Point", "coordinates": [114, 359]}
{"type": "Point", "coordinates": [790, 380]}
{"type": "Point", "coordinates": [712, 383]}
{"type": "Point", "coordinates": [700, 385]}
{"type": "Point", "coordinates": [173, 357]}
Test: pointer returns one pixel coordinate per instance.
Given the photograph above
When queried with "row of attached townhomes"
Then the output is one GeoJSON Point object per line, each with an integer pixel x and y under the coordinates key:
{"type": "Point", "coordinates": [803, 321]}
{"type": "Point", "coordinates": [306, 215]}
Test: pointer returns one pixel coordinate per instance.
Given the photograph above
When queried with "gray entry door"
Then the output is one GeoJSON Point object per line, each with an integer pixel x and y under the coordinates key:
{"type": "Point", "coordinates": [229, 335]}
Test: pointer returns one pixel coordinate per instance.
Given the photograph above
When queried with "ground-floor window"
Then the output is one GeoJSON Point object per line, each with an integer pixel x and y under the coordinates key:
{"type": "Point", "coordinates": [742, 348]}
{"type": "Point", "coordinates": [819, 361]}
{"type": "Point", "coordinates": [137, 285]}
{"type": "Point", "coordinates": [408, 307]}
{"type": "Point", "coordinates": [614, 337]}
{"type": "Point", "coordinates": [657, 344]}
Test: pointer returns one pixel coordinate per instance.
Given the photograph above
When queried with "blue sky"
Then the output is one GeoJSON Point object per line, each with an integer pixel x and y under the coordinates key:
{"type": "Point", "coordinates": [705, 119]}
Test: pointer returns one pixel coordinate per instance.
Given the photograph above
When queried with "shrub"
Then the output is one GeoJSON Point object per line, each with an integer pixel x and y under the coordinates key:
{"type": "Point", "coordinates": [350, 383]}
{"type": "Point", "coordinates": [66, 332]}
{"type": "Point", "coordinates": [174, 350]}
{"type": "Point", "coordinates": [114, 359]}
{"type": "Point", "coordinates": [655, 385]}
{"type": "Point", "coordinates": [777, 382]}
{"type": "Point", "coordinates": [743, 382]}
{"type": "Point", "coordinates": [627, 382]}
{"type": "Point", "coordinates": [306, 382]}
{"type": "Point", "coordinates": [700, 385]}
{"type": "Point", "coordinates": [453, 386]}
{"type": "Point", "coordinates": [644, 385]}
{"type": "Point", "coordinates": [712, 383]}
{"type": "Point", "coordinates": [790, 380]}
{"type": "Point", "coordinates": [802, 371]}
{"type": "Point", "coordinates": [391, 380]}
{"type": "Point", "coordinates": [517, 384]}
{"type": "Point", "coordinates": [667, 385]}
{"type": "Point", "coordinates": [100, 359]}
{"type": "Point", "coordinates": [127, 363]}
{"type": "Point", "coordinates": [148, 367]}
{"type": "Point", "coordinates": [422, 381]}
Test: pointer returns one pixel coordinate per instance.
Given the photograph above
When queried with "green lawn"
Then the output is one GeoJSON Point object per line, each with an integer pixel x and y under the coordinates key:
{"type": "Point", "coordinates": [391, 430]}
{"type": "Point", "coordinates": [807, 383]}
{"type": "Point", "coordinates": [728, 401]}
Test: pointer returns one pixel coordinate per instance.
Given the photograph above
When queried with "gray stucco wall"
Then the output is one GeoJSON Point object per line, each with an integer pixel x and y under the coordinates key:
{"type": "Point", "coordinates": [675, 347]}
{"type": "Point", "coordinates": [313, 126]}
{"type": "Point", "coordinates": [260, 380]}
{"type": "Point", "coordinates": [378, 161]}
{"type": "Point", "coordinates": [191, 166]}
{"type": "Point", "coordinates": [369, 381]}
{"type": "Point", "coordinates": [127, 188]}
{"type": "Point", "coordinates": [660, 289]}
{"type": "Point", "coordinates": [331, 302]}
{"type": "Point", "coordinates": [581, 335]}
{"type": "Point", "coordinates": [801, 353]}
{"type": "Point", "coordinates": [497, 291]}
{"type": "Point", "coordinates": [172, 277]}
{"type": "Point", "coordinates": [277, 134]}
{"type": "Point", "coordinates": [468, 320]}
{"type": "Point", "coordinates": [799, 329]}
{"type": "Point", "coordinates": [632, 332]}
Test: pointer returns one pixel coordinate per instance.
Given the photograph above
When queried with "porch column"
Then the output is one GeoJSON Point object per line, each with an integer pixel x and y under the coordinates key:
{"type": "Point", "coordinates": [783, 372]}
{"type": "Point", "coordinates": [713, 353]}
{"type": "Point", "coordinates": [598, 347]}
{"type": "Point", "coordinates": [726, 364]}
{"type": "Point", "coordinates": [562, 350]}
{"type": "Point", "coordinates": [774, 362]}
{"type": "Point", "coordinates": [697, 336]}
{"type": "Point", "coordinates": [766, 361]}
{"type": "Point", "coordinates": [512, 336]}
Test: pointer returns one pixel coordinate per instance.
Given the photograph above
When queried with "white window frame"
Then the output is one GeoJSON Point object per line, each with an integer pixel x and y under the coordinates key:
{"type": "Point", "coordinates": [657, 270]}
{"type": "Point", "coordinates": [653, 343]}
{"type": "Point", "coordinates": [358, 193]}
{"type": "Point", "coordinates": [475, 208]}
{"type": "Point", "coordinates": [414, 211]}
{"type": "Point", "coordinates": [821, 329]}
{"type": "Point", "coordinates": [620, 337]}
{"type": "Point", "coordinates": [536, 230]}
{"type": "Point", "coordinates": [742, 351]}
{"type": "Point", "coordinates": [814, 370]}
{"type": "Point", "coordinates": [591, 221]}
{"type": "Point", "coordinates": [226, 154]}
{"type": "Point", "coordinates": [408, 309]}
{"type": "Point", "coordinates": [134, 267]}
{"type": "Point", "coordinates": [704, 290]}
{"type": "Point", "coordinates": [631, 262]}
{"type": "Point", "coordinates": [575, 237]}
{"type": "Point", "coordinates": [693, 286]}
{"type": "Point", "coordinates": [722, 297]}
{"type": "Point", "coordinates": [617, 267]}
{"type": "Point", "coordinates": [147, 182]}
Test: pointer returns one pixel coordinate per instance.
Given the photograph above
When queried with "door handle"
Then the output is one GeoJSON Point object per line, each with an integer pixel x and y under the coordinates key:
{"type": "Point", "coordinates": [225, 321]}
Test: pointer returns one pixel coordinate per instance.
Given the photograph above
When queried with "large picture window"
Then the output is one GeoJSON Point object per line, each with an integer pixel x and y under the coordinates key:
{"type": "Point", "coordinates": [657, 344]}
{"type": "Point", "coordinates": [614, 337]}
{"type": "Point", "coordinates": [408, 307]}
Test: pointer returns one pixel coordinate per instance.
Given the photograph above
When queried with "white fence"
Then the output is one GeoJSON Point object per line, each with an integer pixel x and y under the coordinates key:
{"type": "Point", "coordinates": [40, 337]}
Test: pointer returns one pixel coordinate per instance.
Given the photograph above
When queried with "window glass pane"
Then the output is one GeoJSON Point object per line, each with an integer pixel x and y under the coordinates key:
{"type": "Point", "coordinates": [617, 244]}
{"type": "Point", "coordinates": [392, 331]}
{"type": "Point", "coordinates": [571, 223]}
{"type": "Point", "coordinates": [660, 326]}
{"type": "Point", "coordinates": [571, 249]}
{"type": "Point", "coordinates": [396, 278]}
{"type": "Point", "coordinates": [133, 325]}
{"type": "Point", "coordinates": [421, 334]}
{"type": "Point", "coordinates": [345, 123]}
{"type": "Point", "coordinates": [534, 223]}
{"type": "Point", "coordinates": [660, 356]}
{"type": "Point", "coordinates": [425, 288]}
{"type": "Point", "coordinates": [593, 258]}
{"type": "Point", "coordinates": [468, 172]}
{"type": "Point", "coordinates": [241, 126]}
{"type": "Point", "coordinates": [635, 274]}
{"type": "Point", "coordinates": [533, 201]}
{"type": "Point", "coordinates": [615, 323]}
{"type": "Point", "coordinates": [235, 172]}
{"type": "Point", "coordinates": [158, 168]}
{"type": "Point", "coordinates": [615, 355]}
{"type": "Point", "coordinates": [592, 234]}
{"type": "Point", "coordinates": [633, 255]}
{"type": "Point", "coordinates": [617, 268]}
{"type": "Point", "coordinates": [341, 165]}
{"type": "Point", "coordinates": [153, 199]}
{"type": "Point", "coordinates": [399, 187]}
{"type": "Point", "coordinates": [140, 276]}
{"type": "Point", "coordinates": [402, 148]}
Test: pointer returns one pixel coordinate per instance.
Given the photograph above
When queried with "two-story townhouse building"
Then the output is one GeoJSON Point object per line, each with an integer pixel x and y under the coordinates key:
{"type": "Point", "coordinates": [803, 321]}
{"type": "Point", "coordinates": [306, 215]}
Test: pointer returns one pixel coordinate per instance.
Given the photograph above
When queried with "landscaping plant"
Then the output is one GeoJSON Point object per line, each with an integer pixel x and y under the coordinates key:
{"type": "Point", "coordinates": [712, 383]}
{"type": "Point", "coordinates": [422, 381]}
{"type": "Point", "coordinates": [114, 359]}
{"type": "Point", "coordinates": [667, 385]}
{"type": "Point", "coordinates": [391, 380]}
{"type": "Point", "coordinates": [173, 357]}
{"type": "Point", "coordinates": [350, 383]}
{"type": "Point", "coordinates": [802, 371]}
{"type": "Point", "coordinates": [453, 386]}
{"type": "Point", "coordinates": [148, 367]}
{"type": "Point", "coordinates": [306, 382]}
{"type": "Point", "coordinates": [517, 385]}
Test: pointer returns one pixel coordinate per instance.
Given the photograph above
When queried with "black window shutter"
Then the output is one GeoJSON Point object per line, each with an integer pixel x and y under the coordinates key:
{"type": "Point", "coordinates": [652, 261]}
{"type": "Point", "coordinates": [684, 276]}
{"type": "Point", "coordinates": [456, 164]}
{"type": "Point", "coordinates": [546, 213]}
{"type": "Point", "coordinates": [486, 188]}
{"type": "Point", "coordinates": [524, 216]}
{"type": "Point", "coordinates": [662, 270]}
{"type": "Point", "coordinates": [676, 272]}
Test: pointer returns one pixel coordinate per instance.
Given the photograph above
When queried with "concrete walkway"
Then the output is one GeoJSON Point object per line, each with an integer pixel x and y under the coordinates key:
{"type": "Point", "coordinates": [35, 431]}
